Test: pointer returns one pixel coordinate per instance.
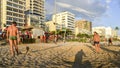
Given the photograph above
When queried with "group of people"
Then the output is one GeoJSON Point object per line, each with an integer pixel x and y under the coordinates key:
{"type": "Point", "coordinates": [96, 39]}
{"type": "Point", "coordinates": [13, 37]}
{"type": "Point", "coordinates": [48, 37]}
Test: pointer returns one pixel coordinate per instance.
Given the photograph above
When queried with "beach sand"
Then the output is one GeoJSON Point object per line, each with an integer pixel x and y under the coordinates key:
{"type": "Point", "coordinates": [61, 55]}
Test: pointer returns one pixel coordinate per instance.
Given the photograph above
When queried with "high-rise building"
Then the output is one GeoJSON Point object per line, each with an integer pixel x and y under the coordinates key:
{"type": "Point", "coordinates": [64, 20]}
{"type": "Point", "coordinates": [83, 26]}
{"type": "Point", "coordinates": [12, 10]}
{"type": "Point", "coordinates": [35, 12]}
{"type": "Point", "coordinates": [0, 13]}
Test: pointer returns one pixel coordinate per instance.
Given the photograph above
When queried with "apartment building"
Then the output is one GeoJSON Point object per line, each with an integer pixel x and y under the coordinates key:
{"type": "Point", "coordinates": [83, 26]}
{"type": "Point", "coordinates": [105, 31]}
{"type": "Point", "coordinates": [35, 12]}
{"type": "Point", "coordinates": [64, 20]}
{"type": "Point", "coordinates": [0, 13]}
{"type": "Point", "coordinates": [12, 10]}
{"type": "Point", "coordinates": [50, 26]}
{"type": "Point", "coordinates": [100, 30]}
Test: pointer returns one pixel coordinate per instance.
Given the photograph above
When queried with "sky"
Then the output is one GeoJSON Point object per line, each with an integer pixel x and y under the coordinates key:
{"type": "Point", "coordinates": [99, 12]}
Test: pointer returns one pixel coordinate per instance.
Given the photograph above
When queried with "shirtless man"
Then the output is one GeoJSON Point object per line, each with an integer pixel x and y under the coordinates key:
{"type": "Point", "coordinates": [96, 39]}
{"type": "Point", "coordinates": [12, 36]}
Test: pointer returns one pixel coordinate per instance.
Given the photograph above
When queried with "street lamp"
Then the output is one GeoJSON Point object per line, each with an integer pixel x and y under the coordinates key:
{"type": "Point", "coordinates": [55, 39]}
{"type": "Point", "coordinates": [64, 34]}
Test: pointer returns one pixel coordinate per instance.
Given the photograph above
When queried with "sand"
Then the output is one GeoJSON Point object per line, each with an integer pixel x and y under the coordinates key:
{"type": "Point", "coordinates": [61, 55]}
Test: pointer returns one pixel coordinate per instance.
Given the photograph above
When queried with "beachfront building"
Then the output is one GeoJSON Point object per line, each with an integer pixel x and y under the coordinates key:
{"type": "Point", "coordinates": [111, 32]}
{"type": "Point", "coordinates": [64, 20]}
{"type": "Point", "coordinates": [12, 10]}
{"type": "Point", "coordinates": [105, 31]}
{"type": "Point", "coordinates": [99, 30]}
{"type": "Point", "coordinates": [0, 13]}
{"type": "Point", "coordinates": [83, 27]}
{"type": "Point", "coordinates": [35, 13]}
{"type": "Point", "coordinates": [50, 26]}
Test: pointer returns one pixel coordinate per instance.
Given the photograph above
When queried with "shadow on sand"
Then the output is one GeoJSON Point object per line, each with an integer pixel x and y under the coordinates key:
{"type": "Point", "coordinates": [116, 60]}
{"type": "Point", "coordinates": [91, 48]}
{"type": "Point", "coordinates": [78, 61]}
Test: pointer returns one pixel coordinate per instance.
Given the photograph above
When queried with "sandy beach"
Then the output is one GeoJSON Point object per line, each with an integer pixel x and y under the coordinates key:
{"type": "Point", "coordinates": [61, 55]}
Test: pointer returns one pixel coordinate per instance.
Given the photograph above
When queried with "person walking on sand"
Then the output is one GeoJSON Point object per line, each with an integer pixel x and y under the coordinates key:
{"type": "Point", "coordinates": [96, 39]}
{"type": "Point", "coordinates": [12, 36]}
{"type": "Point", "coordinates": [110, 42]}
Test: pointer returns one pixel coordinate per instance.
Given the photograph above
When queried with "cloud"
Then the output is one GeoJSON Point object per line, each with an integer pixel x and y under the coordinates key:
{"type": "Point", "coordinates": [108, 1]}
{"type": "Point", "coordinates": [87, 9]}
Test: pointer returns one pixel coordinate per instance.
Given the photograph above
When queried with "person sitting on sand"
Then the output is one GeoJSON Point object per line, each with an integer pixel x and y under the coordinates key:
{"type": "Point", "coordinates": [12, 36]}
{"type": "Point", "coordinates": [96, 39]}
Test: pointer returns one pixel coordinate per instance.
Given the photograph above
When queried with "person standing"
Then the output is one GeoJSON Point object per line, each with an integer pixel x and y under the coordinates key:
{"type": "Point", "coordinates": [110, 42]}
{"type": "Point", "coordinates": [12, 36]}
{"type": "Point", "coordinates": [96, 39]}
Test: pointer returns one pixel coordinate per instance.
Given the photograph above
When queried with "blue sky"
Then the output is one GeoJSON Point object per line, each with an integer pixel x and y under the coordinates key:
{"type": "Point", "coordinates": [100, 12]}
{"type": "Point", "coordinates": [112, 16]}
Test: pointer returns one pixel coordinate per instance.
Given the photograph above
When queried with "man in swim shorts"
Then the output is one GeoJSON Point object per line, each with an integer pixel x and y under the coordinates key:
{"type": "Point", "coordinates": [96, 39]}
{"type": "Point", "coordinates": [12, 36]}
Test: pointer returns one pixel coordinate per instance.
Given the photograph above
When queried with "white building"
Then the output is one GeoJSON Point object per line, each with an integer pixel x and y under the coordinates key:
{"type": "Point", "coordinates": [64, 20]}
{"type": "Point", "coordinates": [12, 10]}
{"type": "Point", "coordinates": [99, 30]}
{"type": "Point", "coordinates": [0, 14]}
{"type": "Point", "coordinates": [35, 12]}
{"type": "Point", "coordinates": [105, 31]}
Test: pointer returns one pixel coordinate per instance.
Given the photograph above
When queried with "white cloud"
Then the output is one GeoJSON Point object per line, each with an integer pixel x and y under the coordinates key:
{"type": "Point", "coordinates": [88, 9]}
{"type": "Point", "coordinates": [108, 1]}
{"type": "Point", "coordinates": [64, 5]}
{"type": "Point", "coordinates": [78, 9]}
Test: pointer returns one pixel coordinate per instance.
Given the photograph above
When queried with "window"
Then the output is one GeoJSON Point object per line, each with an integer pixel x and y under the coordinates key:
{"type": "Point", "coordinates": [20, 20]}
{"type": "Point", "coordinates": [9, 0]}
{"type": "Point", "coordinates": [20, 24]}
{"type": "Point", "coordinates": [20, 7]}
{"type": "Point", "coordinates": [8, 23]}
{"type": "Point", "coordinates": [16, 15]}
{"type": "Point", "coordinates": [20, 15]}
{"type": "Point", "coordinates": [15, 10]}
{"type": "Point", "coordinates": [14, 5]}
{"type": "Point", "coordinates": [9, 13]}
{"type": "Point", "coordinates": [15, 19]}
{"type": "Point", "coordinates": [20, 11]}
{"type": "Point", "coordinates": [9, 18]}
{"type": "Point", "coordinates": [8, 8]}
{"type": "Point", "coordinates": [21, 3]}
{"type": "Point", "coordinates": [16, 1]}
{"type": "Point", "coordinates": [8, 3]}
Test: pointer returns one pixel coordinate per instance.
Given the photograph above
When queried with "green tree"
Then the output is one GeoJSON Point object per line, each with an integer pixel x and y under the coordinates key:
{"type": "Point", "coordinates": [116, 28]}
{"type": "Point", "coordinates": [84, 35]}
{"type": "Point", "coordinates": [68, 32]}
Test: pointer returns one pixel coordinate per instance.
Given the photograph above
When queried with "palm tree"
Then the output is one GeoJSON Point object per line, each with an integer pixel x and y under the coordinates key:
{"type": "Point", "coordinates": [117, 29]}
